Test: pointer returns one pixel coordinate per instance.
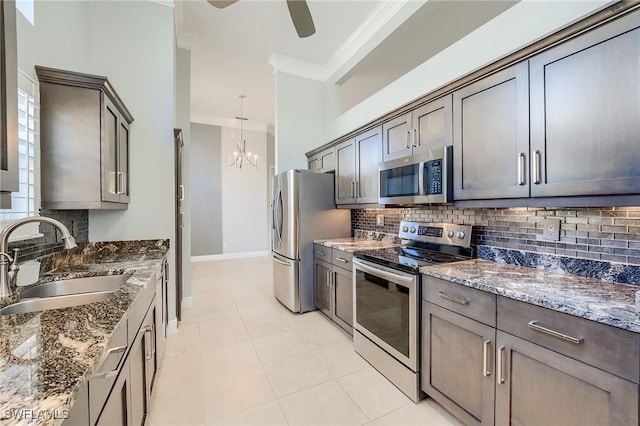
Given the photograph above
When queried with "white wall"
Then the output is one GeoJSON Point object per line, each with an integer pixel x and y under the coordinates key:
{"type": "Point", "coordinates": [300, 119]}
{"type": "Point", "coordinates": [132, 43]}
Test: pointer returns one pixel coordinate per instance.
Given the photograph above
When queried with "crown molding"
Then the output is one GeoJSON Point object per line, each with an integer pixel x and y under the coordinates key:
{"type": "Point", "coordinates": [233, 123]}
{"type": "Point", "coordinates": [381, 22]}
{"type": "Point", "coordinates": [185, 39]}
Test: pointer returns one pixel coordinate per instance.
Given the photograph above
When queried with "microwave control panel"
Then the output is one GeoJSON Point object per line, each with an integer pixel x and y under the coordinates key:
{"type": "Point", "coordinates": [433, 177]}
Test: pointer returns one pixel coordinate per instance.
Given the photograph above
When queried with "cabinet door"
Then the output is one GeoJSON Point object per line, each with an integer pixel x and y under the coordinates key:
{"type": "Point", "coordinates": [432, 125]}
{"type": "Point", "coordinates": [368, 153]}
{"type": "Point", "coordinates": [123, 161]}
{"type": "Point", "coordinates": [346, 172]}
{"type": "Point", "coordinates": [322, 285]}
{"type": "Point", "coordinates": [491, 136]}
{"type": "Point", "coordinates": [458, 364]}
{"type": "Point", "coordinates": [109, 149]}
{"type": "Point", "coordinates": [536, 386]}
{"type": "Point", "coordinates": [584, 113]}
{"type": "Point", "coordinates": [327, 160]}
{"type": "Point", "coordinates": [397, 138]}
{"type": "Point", "coordinates": [116, 411]}
{"type": "Point", "coordinates": [343, 289]}
{"type": "Point", "coordinates": [143, 368]}
{"type": "Point", "coordinates": [314, 164]}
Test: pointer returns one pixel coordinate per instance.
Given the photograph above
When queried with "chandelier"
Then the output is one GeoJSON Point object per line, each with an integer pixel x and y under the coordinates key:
{"type": "Point", "coordinates": [240, 156]}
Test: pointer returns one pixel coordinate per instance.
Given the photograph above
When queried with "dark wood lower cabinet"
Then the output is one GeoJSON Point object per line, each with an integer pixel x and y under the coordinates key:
{"type": "Point", "coordinates": [537, 386]}
{"type": "Point", "coordinates": [321, 285]}
{"type": "Point", "coordinates": [333, 285]}
{"type": "Point", "coordinates": [458, 364]}
{"type": "Point", "coordinates": [343, 285]}
{"type": "Point", "coordinates": [116, 411]}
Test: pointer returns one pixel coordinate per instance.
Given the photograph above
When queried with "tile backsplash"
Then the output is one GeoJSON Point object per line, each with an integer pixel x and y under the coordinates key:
{"type": "Point", "coordinates": [610, 234]}
{"type": "Point", "coordinates": [77, 221]}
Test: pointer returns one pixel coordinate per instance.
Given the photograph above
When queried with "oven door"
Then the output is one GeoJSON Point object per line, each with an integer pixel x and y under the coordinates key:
{"type": "Point", "coordinates": [385, 309]}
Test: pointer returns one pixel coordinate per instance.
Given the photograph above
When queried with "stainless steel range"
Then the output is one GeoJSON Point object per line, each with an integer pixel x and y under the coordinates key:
{"type": "Point", "coordinates": [386, 302]}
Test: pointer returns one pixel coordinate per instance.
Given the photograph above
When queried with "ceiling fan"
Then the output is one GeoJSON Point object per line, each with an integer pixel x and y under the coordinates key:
{"type": "Point", "coordinates": [298, 9]}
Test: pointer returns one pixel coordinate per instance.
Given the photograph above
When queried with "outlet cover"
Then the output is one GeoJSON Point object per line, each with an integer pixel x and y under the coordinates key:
{"type": "Point", "coordinates": [551, 230]}
{"type": "Point", "coordinates": [380, 220]}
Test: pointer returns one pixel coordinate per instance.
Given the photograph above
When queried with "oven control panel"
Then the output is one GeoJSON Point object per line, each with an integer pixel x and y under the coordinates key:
{"type": "Point", "coordinates": [439, 233]}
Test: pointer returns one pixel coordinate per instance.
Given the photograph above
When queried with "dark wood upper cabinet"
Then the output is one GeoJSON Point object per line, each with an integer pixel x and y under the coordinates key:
{"type": "Point", "coordinates": [418, 131]}
{"type": "Point", "coordinates": [491, 136]}
{"type": "Point", "coordinates": [585, 113]}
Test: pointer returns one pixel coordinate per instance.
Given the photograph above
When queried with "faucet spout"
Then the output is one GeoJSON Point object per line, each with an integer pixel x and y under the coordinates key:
{"type": "Point", "coordinates": [67, 238]}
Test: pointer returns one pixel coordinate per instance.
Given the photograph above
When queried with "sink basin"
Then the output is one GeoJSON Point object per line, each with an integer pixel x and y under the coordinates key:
{"type": "Point", "coordinates": [58, 302]}
{"type": "Point", "coordinates": [102, 283]}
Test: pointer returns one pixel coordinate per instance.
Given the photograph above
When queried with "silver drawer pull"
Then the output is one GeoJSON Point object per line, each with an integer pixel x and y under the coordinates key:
{"type": "Point", "coordinates": [500, 365]}
{"type": "Point", "coordinates": [340, 259]}
{"type": "Point", "coordinates": [453, 299]}
{"type": "Point", "coordinates": [575, 340]}
{"type": "Point", "coordinates": [485, 358]}
{"type": "Point", "coordinates": [112, 373]}
{"type": "Point", "coordinates": [321, 253]}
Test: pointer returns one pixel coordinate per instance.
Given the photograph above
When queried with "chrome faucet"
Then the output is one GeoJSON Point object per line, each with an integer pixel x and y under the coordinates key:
{"type": "Point", "coordinates": [69, 243]}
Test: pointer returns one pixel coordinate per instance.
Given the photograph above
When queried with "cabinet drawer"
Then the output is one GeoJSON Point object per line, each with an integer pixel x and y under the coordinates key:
{"type": "Point", "coordinates": [342, 259]}
{"type": "Point", "coordinates": [322, 252]}
{"type": "Point", "coordinates": [475, 304]}
{"type": "Point", "coordinates": [602, 346]}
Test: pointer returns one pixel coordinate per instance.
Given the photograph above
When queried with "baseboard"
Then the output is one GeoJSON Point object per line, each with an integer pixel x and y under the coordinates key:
{"type": "Point", "coordinates": [227, 256]}
{"type": "Point", "coordinates": [187, 302]}
{"type": "Point", "coordinates": [172, 326]}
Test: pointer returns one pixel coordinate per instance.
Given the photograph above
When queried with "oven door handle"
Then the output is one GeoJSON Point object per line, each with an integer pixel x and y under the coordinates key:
{"type": "Point", "coordinates": [382, 273]}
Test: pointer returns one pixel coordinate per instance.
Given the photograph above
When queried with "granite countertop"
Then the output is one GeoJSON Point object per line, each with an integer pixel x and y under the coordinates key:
{"type": "Point", "coordinates": [45, 357]}
{"type": "Point", "coordinates": [605, 302]}
{"type": "Point", "coordinates": [363, 240]}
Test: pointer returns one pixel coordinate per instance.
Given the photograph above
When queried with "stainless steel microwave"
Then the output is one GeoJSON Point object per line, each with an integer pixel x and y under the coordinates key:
{"type": "Point", "coordinates": [420, 179]}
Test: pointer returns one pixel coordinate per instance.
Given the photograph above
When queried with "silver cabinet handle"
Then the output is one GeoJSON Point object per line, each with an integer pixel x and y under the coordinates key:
{"type": "Point", "coordinates": [340, 259]}
{"type": "Point", "coordinates": [112, 373]}
{"type": "Point", "coordinates": [149, 353]}
{"type": "Point", "coordinates": [522, 161]}
{"type": "Point", "coordinates": [500, 366]}
{"type": "Point", "coordinates": [453, 299]}
{"type": "Point", "coordinates": [408, 139]}
{"type": "Point", "coordinates": [120, 183]}
{"type": "Point", "coordinates": [416, 141]}
{"type": "Point", "coordinates": [536, 166]}
{"type": "Point", "coordinates": [181, 219]}
{"type": "Point", "coordinates": [485, 358]}
{"type": "Point", "coordinates": [537, 327]}
{"type": "Point", "coordinates": [333, 279]}
{"type": "Point", "coordinates": [181, 192]}
{"type": "Point", "coordinates": [328, 279]}
{"type": "Point", "coordinates": [353, 189]}
{"type": "Point", "coordinates": [322, 253]}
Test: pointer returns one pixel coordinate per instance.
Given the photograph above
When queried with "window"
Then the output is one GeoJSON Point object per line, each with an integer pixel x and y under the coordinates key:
{"type": "Point", "coordinates": [27, 8]}
{"type": "Point", "coordinates": [26, 202]}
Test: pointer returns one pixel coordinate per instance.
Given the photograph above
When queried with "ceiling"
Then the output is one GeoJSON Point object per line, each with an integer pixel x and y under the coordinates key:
{"type": "Point", "coordinates": [232, 47]}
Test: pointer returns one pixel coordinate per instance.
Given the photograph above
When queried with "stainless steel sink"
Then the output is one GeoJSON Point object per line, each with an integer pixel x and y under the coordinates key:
{"type": "Point", "coordinates": [76, 286]}
{"type": "Point", "coordinates": [58, 302]}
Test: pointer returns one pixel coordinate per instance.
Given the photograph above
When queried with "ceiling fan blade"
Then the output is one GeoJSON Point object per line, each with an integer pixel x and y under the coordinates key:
{"type": "Point", "coordinates": [221, 4]}
{"type": "Point", "coordinates": [301, 17]}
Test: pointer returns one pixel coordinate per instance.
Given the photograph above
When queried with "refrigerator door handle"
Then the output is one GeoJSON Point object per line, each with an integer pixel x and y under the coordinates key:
{"type": "Point", "coordinates": [280, 214]}
{"type": "Point", "coordinates": [275, 259]}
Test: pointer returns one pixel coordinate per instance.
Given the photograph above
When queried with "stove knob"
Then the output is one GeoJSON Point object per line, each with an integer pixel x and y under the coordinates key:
{"type": "Point", "coordinates": [450, 234]}
{"type": "Point", "coordinates": [413, 230]}
{"type": "Point", "coordinates": [405, 229]}
{"type": "Point", "coordinates": [461, 234]}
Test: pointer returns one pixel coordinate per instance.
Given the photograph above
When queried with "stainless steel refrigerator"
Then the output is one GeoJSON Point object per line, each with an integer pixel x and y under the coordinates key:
{"type": "Point", "coordinates": [303, 210]}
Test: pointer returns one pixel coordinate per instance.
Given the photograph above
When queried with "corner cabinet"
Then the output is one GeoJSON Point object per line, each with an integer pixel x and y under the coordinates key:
{"type": "Point", "coordinates": [323, 162]}
{"type": "Point", "coordinates": [84, 142]}
{"type": "Point", "coordinates": [357, 162]}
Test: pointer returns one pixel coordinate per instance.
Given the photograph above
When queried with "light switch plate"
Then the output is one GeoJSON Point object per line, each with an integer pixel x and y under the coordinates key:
{"type": "Point", "coordinates": [380, 220]}
{"type": "Point", "coordinates": [551, 230]}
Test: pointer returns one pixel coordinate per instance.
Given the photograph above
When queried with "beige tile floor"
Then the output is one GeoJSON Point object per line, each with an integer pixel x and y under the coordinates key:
{"type": "Point", "coordinates": [241, 358]}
